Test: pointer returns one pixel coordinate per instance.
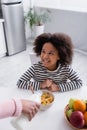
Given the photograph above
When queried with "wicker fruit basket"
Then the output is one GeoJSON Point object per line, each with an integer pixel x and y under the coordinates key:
{"type": "Point", "coordinates": [68, 122]}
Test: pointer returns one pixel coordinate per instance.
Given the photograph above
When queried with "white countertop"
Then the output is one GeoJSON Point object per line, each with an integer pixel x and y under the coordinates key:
{"type": "Point", "coordinates": [53, 118]}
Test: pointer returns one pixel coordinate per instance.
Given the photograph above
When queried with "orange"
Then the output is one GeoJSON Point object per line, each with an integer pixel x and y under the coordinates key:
{"type": "Point", "coordinates": [85, 117]}
{"type": "Point", "coordinates": [79, 105]}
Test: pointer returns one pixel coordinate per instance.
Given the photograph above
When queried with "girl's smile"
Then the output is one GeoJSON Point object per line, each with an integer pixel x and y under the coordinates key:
{"type": "Point", "coordinates": [49, 56]}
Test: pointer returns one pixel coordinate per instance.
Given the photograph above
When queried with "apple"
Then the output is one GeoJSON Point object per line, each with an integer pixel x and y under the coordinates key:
{"type": "Point", "coordinates": [68, 113]}
{"type": "Point", "coordinates": [71, 101]}
{"type": "Point", "coordinates": [77, 119]}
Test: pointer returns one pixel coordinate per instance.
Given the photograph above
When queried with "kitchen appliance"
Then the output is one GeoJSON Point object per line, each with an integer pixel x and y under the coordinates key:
{"type": "Point", "coordinates": [0, 10]}
{"type": "Point", "coordinates": [14, 25]}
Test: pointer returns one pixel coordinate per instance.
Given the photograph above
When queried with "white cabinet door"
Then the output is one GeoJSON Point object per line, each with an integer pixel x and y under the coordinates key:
{"type": "Point", "coordinates": [2, 40]}
{"type": "Point", "coordinates": [48, 3]}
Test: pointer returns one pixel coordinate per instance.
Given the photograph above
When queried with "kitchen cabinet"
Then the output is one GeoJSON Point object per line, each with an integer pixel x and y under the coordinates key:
{"type": "Point", "coordinates": [55, 4]}
{"type": "Point", "coordinates": [2, 40]}
{"type": "Point", "coordinates": [73, 5]}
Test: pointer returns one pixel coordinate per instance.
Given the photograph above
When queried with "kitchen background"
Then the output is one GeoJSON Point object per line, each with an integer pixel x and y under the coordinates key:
{"type": "Point", "coordinates": [69, 16]}
{"type": "Point", "coordinates": [66, 16]}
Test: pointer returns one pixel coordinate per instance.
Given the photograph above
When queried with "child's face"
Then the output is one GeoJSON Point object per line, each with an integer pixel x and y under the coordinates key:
{"type": "Point", "coordinates": [49, 56]}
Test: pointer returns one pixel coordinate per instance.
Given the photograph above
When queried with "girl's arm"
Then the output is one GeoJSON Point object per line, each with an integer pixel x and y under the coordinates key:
{"type": "Point", "coordinates": [25, 80]}
{"type": "Point", "coordinates": [74, 81]}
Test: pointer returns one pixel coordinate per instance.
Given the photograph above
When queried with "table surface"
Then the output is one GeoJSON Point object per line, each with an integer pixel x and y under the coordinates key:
{"type": "Point", "coordinates": [53, 118]}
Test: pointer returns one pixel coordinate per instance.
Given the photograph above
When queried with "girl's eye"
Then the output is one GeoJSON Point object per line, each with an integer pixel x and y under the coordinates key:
{"type": "Point", "coordinates": [50, 53]}
{"type": "Point", "coordinates": [42, 51]}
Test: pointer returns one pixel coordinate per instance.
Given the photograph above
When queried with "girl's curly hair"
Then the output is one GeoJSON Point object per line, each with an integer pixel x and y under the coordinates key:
{"type": "Point", "coordinates": [62, 42]}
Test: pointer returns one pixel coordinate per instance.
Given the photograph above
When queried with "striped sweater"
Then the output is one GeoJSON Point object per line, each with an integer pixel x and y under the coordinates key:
{"type": "Point", "coordinates": [64, 76]}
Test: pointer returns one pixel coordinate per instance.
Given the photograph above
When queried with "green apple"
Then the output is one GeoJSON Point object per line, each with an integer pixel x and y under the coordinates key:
{"type": "Point", "coordinates": [69, 112]}
{"type": "Point", "coordinates": [71, 101]}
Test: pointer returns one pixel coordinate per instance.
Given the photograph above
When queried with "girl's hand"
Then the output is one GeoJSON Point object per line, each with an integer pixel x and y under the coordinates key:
{"type": "Point", "coordinates": [46, 84]}
{"type": "Point", "coordinates": [53, 88]}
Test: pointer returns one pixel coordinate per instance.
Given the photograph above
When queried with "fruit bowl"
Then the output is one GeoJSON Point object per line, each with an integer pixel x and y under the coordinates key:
{"type": "Point", "coordinates": [47, 99]}
{"type": "Point", "coordinates": [68, 122]}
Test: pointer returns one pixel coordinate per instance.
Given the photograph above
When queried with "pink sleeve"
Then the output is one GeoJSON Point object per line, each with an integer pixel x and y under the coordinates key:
{"type": "Point", "coordinates": [10, 108]}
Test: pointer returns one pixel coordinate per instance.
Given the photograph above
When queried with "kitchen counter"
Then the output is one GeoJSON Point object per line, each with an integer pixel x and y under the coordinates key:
{"type": "Point", "coordinates": [53, 118]}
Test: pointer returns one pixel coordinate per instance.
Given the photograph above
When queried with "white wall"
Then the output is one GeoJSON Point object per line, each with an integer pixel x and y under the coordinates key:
{"type": "Point", "coordinates": [70, 22]}
{"type": "Point", "coordinates": [69, 16]}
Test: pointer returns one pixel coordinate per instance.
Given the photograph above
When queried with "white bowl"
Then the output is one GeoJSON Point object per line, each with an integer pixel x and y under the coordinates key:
{"type": "Point", "coordinates": [47, 99]}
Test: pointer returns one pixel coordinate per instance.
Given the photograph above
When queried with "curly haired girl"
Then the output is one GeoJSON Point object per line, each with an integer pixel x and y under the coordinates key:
{"type": "Point", "coordinates": [53, 72]}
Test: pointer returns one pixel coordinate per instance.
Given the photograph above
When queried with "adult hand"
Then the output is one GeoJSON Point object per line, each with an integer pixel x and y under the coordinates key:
{"type": "Point", "coordinates": [30, 108]}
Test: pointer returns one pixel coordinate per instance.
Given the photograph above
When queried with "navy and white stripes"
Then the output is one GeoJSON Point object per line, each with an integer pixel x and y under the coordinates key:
{"type": "Point", "coordinates": [64, 76]}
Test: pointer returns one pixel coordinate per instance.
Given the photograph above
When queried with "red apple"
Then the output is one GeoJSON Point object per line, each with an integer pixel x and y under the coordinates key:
{"type": "Point", "coordinates": [77, 119]}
